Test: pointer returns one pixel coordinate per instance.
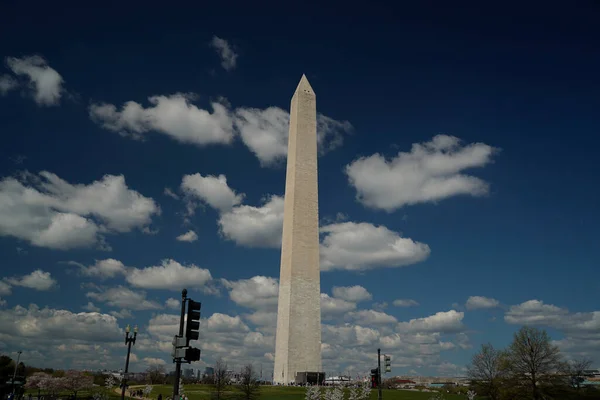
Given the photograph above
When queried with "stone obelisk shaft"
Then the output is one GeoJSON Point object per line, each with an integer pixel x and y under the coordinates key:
{"type": "Point", "coordinates": [298, 338]}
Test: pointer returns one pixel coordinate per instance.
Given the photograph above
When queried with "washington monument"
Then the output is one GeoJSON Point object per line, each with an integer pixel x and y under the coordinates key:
{"type": "Point", "coordinates": [298, 338]}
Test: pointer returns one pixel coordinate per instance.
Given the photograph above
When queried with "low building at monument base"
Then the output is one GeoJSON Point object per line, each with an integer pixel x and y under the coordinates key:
{"type": "Point", "coordinates": [310, 378]}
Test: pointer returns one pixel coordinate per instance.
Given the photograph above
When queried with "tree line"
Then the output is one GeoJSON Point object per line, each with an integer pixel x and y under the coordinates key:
{"type": "Point", "coordinates": [531, 367]}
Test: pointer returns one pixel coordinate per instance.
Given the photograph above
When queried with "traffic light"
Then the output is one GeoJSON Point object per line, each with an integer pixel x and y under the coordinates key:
{"type": "Point", "coordinates": [192, 354]}
{"type": "Point", "coordinates": [388, 363]}
{"type": "Point", "coordinates": [193, 321]}
{"type": "Point", "coordinates": [374, 376]}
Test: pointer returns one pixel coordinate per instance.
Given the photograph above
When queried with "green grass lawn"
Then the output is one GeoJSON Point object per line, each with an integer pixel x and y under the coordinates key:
{"type": "Point", "coordinates": [202, 392]}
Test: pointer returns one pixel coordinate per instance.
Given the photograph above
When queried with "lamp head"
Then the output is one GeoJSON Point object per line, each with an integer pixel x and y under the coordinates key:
{"type": "Point", "coordinates": [135, 329]}
{"type": "Point", "coordinates": [127, 329]}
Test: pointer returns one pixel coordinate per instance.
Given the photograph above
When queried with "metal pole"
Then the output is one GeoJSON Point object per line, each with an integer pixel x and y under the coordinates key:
{"type": "Point", "coordinates": [178, 360]}
{"type": "Point", "coordinates": [379, 393]}
{"type": "Point", "coordinates": [126, 366]}
{"type": "Point", "coordinates": [15, 373]}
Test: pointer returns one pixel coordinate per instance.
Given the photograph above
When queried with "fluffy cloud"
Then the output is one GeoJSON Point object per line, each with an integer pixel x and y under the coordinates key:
{"type": "Point", "coordinates": [121, 314]}
{"type": "Point", "coordinates": [480, 302]}
{"type": "Point", "coordinates": [7, 83]}
{"type": "Point", "coordinates": [163, 326]}
{"type": "Point", "coordinates": [405, 303]}
{"type": "Point", "coordinates": [580, 330]}
{"type": "Point", "coordinates": [49, 323]}
{"type": "Point", "coordinates": [254, 226]}
{"type": "Point", "coordinates": [265, 132]}
{"type": "Point", "coordinates": [172, 303]}
{"type": "Point", "coordinates": [213, 190]}
{"type": "Point", "coordinates": [152, 361]}
{"type": "Point", "coordinates": [38, 280]}
{"type": "Point", "coordinates": [5, 289]}
{"type": "Point", "coordinates": [50, 212]}
{"type": "Point", "coordinates": [172, 115]}
{"type": "Point", "coordinates": [371, 317]}
{"type": "Point", "coordinates": [355, 293]}
{"type": "Point", "coordinates": [91, 307]}
{"type": "Point", "coordinates": [123, 297]}
{"type": "Point", "coordinates": [169, 275]}
{"type": "Point", "coordinates": [430, 172]}
{"type": "Point", "coordinates": [225, 52]}
{"type": "Point", "coordinates": [330, 306]}
{"type": "Point", "coordinates": [265, 319]}
{"type": "Point", "coordinates": [245, 225]}
{"type": "Point", "coordinates": [535, 312]}
{"type": "Point", "coordinates": [258, 292]}
{"type": "Point", "coordinates": [108, 268]}
{"type": "Point", "coordinates": [189, 236]}
{"type": "Point", "coordinates": [44, 82]}
{"type": "Point", "coordinates": [361, 246]}
{"type": "Point", "coordinates": [445, 322]}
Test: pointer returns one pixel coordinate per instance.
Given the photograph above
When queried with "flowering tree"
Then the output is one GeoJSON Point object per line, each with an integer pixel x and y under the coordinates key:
{"type": "Point", "coordinates": [109, 383]}
{"type": "Point", "coordinates": [38, 380]}
{"type": "Point", "coordinates": [313, 393]}
{"type": "Point", "coordinates": [76, 381]}
{"type": "Point", "coordinates": [54, 385]}
{"type": "Point", "coordinates": [148, 390]}
{"type": "Point", "coordinates": [335, 393]}
{"type": "Point", "coordinates": [437, 396]}
{"type": "Point", "coordinates": [365, 392]}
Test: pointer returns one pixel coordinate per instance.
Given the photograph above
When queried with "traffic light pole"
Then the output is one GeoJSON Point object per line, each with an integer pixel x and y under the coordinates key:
{"type": "Point", "coordinates": [379, 392]}
{"type": "Point", "coordinates": [178, 360]}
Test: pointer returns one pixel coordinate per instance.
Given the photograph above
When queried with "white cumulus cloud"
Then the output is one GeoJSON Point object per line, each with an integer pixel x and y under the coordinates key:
{"type": "Point", "coordinates": [172, 303]}
{"type": "Point", "coordinates": [355, 293]}
{"type": "Point", "coordinates": [362, 246]}
{"type": "Point", "coordinates": [265, 132]}
{"type": "Point", "coordinates": [405, 303]}
{"type": "Point", "coordinates": [7, 83]}
{"type": "Point", "coordinates": [123, 297]}
{"type": "Point", "coordinates": [213, 190]}
{"type": "Point", "coordinates": [169, 275]}
{"type": "Point", "coordinates": [189, 236]}
{"type": "Point", "coordinates": [103, 269]}
{"type": "Point", "coordinates": [45, 82]}
{"type": "Point", "coordinates": [481, 302]}
{"type": "Point", "coordinates": [36, 322]}
{"type": "Point", "coordinates": [371, 317]}
{"type": "Point", "coordinates": [430, 172]}
{"type": "Point", "coordinates": [173, 115]}
{"type": "Point", "coordinates": [330, 306]}
{"type": "Point", "coordinates": [258, 292]}
{"type": "Point", "coordinates": [226, 53]}
{"type": "Point", "coordinates": [443, 321]}
{"type": "Point", "coordinates": [254, 226]}
{"type": "Point", "coordinates": [49, 212]}
{"type": "Point", "coordinates": [38, 280]}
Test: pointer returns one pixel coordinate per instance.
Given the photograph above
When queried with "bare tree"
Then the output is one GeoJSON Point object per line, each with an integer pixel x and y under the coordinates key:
{"type": "Point", "coordinates": [156, 374]}
{"type": "Point", "coordinates": [534, 360]}
{"type": "Point", "coordinates": [221, 378]}
{"type": "Point", "coordinates": [576, 370]}
{"type": "Point", "coordinates": [249, 383]}
{"type": "Point", "coordinates": [486, 371]}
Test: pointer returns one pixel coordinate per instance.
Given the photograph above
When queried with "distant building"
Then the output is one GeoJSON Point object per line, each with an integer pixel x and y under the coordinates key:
{"type": "Point", "coordinates": [188, 373]}
{"type": "Point", "coordinates": [209, 371]}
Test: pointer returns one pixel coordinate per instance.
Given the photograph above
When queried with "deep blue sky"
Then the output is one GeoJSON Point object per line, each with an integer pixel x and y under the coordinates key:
{"type": "Point", "coordinates": [521, 78]}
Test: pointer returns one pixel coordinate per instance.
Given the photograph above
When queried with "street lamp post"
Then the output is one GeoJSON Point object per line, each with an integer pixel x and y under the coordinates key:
{"type": "Point", "coordinates": [128, 341]}
{"type": "Point", "coordinates": [15, 373]}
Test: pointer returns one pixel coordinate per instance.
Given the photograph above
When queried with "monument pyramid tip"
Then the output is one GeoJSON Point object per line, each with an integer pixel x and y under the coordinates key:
{"type": "Point", "coordinates": [304, 84]}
